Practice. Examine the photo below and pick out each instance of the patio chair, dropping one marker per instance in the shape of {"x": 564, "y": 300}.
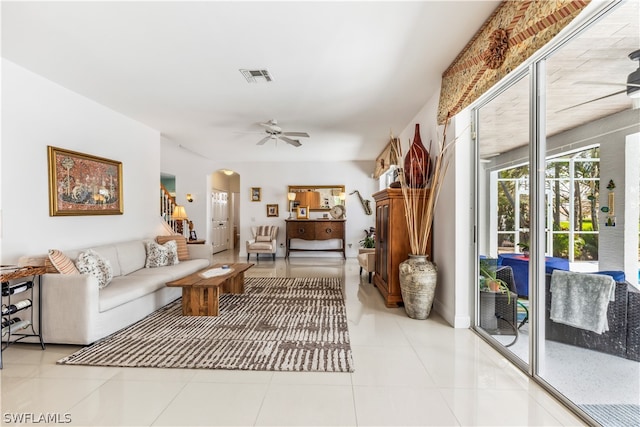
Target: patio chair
{"x": 506, "y": 275}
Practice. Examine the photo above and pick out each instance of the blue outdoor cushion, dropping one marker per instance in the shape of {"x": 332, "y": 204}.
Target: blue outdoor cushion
{"x": 618, "y": 276}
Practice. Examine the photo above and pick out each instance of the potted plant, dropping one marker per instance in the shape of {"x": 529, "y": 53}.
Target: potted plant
{"x": 524, "y": 247}
{"x": 369, "y": 240}
{"x": 489, "y": 282}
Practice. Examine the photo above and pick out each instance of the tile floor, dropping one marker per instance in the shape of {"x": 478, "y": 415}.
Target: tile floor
{"x": 407, "y": 372}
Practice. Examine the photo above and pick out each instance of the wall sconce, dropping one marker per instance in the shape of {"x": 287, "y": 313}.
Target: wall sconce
{"x": 189, "y": 198}
{"x": 291, "y": 197}
{"x": 611, "y": 216}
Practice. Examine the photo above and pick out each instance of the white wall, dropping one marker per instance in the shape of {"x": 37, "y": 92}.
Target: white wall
{"x": 193, "y": 176}
{"x": 37, "y": 113}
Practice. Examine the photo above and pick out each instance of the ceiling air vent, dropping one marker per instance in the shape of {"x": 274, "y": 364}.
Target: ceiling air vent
{"x": 255, "y": 76}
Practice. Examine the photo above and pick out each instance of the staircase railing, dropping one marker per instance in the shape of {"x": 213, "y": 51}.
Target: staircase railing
{"x": 167, "y": 204}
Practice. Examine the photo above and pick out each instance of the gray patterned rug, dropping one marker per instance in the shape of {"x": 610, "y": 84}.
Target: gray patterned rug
{"x": 278, "y": 324}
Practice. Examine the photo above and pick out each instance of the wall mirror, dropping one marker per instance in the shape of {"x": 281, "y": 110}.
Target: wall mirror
{"x": 317, "y": 197}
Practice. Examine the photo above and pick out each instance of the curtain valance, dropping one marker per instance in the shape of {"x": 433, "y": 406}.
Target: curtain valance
{"x": 514, "y": 31}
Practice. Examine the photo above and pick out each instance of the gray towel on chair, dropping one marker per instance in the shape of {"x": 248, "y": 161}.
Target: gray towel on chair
{"x": 581, "y": 300}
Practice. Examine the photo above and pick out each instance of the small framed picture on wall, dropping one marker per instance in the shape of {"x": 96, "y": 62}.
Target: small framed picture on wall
{"x": 272, "y": 210}
{"x": 256, "y": 194}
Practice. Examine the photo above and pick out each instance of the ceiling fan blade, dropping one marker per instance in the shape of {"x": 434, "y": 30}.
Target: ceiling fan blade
{"x": 607, "y": 84}
{"x": 293, "y": 142}
{"x": 302, "y": 134}
{"x": 596, "y": 99}
{"x": 263, "y": 140}
{"x": 272, "y": 125}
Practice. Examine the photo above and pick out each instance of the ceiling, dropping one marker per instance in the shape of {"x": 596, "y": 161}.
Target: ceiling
{"x": 598, "y": 55}
{"x": 348, "y": 73}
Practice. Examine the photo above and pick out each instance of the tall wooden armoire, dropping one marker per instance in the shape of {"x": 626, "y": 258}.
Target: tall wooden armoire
{"x": 392, "y": 243}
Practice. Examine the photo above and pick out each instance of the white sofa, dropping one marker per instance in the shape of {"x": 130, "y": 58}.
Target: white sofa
{"x": 76, "y": 311}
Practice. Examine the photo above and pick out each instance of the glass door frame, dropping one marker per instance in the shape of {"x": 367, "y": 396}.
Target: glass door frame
{"x": 535, "y": 67}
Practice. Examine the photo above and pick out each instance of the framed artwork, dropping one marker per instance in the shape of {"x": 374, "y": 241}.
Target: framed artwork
{"x": 256, "y": 194}
{"x": 193, "y": 235}
{"x": 272, "y": 210}
{"x": 81, "y": 184}
{"x": 302, "y": 212}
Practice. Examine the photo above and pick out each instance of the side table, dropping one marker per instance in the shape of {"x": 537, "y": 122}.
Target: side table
{"x": 12, "y": 304}
{"x": 196, "y": 242}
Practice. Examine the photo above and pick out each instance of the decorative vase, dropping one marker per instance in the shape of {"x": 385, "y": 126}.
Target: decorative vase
{"x": 417, "y": 163}
{"x": 418, "y": 278}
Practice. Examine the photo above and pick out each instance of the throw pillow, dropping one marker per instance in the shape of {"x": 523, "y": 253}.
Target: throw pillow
{"x": 263, "y": 238}
{"x": 162, "y": 255}
{"x": 183, "y": 250}
{"x": 61, "y": 262}
{"x": 92, "y": 263}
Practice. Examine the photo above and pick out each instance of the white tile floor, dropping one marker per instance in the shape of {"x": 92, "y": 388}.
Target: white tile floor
{"x": 407, "y": 372}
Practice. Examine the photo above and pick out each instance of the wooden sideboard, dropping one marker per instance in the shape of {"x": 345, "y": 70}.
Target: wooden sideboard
{"x": 315, "y": 229}
{"x": 392, "y": 243}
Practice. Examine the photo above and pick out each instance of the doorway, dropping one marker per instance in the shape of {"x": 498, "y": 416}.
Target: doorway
{"x": 224, "y": 210}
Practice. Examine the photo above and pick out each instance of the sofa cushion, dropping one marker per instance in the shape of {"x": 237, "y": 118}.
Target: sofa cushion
{"x": 62, "y": 263}
{"x": 109, "y": 253}
{"x": 173, "y": 272}
{"x": 141, "y": 282}
{"x": 131, "y": 255}
{"x": 183, "y": 251}
{"x": 92, "y": 263}
{"x": 266, "y": 246}
{"x": 124, "y": 289}
{"x": 161, "y": 255}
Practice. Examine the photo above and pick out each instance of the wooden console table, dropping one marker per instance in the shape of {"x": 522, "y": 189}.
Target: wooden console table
{"x": 316, "y": 229}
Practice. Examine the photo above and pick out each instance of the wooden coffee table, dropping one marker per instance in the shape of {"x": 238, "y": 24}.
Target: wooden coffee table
{"x": 201, "y": 294}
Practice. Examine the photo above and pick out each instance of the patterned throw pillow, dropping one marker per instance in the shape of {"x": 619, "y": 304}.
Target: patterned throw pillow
{"x": 181, "y": 241}
{"x": 91, "y": 262}
{"x": 62, "y": 263}
{"x": 162, "y": 255}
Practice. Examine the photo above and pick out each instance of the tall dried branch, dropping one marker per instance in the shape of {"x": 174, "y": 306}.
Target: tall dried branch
{"x": 420, "y": 203}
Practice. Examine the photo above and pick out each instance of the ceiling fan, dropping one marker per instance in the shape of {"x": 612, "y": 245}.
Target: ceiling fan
{"x": 632, "y": 87}
{"x": 275, "y": 132}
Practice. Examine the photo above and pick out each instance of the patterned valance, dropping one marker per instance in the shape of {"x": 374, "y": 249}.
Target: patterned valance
{"x": 512, "y": 34}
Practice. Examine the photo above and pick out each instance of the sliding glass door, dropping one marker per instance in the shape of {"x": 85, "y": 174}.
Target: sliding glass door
{"x": 558, "y": 183}
{"x": 503, "y": 215}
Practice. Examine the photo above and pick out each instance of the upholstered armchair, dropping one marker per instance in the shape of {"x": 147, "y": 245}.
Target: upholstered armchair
{"x": 367, "y": 260}
{"x": 264, "y": 241}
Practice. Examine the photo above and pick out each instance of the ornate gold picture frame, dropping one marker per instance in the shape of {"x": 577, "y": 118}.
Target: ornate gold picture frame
{"x": 302, "y": 212}
{"x": 272, "y": 210}
{"x": 256, "y": 194}
{"x": 81, "y": 184}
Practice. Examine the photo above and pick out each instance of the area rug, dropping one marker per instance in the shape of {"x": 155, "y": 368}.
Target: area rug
{"x": 612, "y": 415}
{"x": 278, "y": 324}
